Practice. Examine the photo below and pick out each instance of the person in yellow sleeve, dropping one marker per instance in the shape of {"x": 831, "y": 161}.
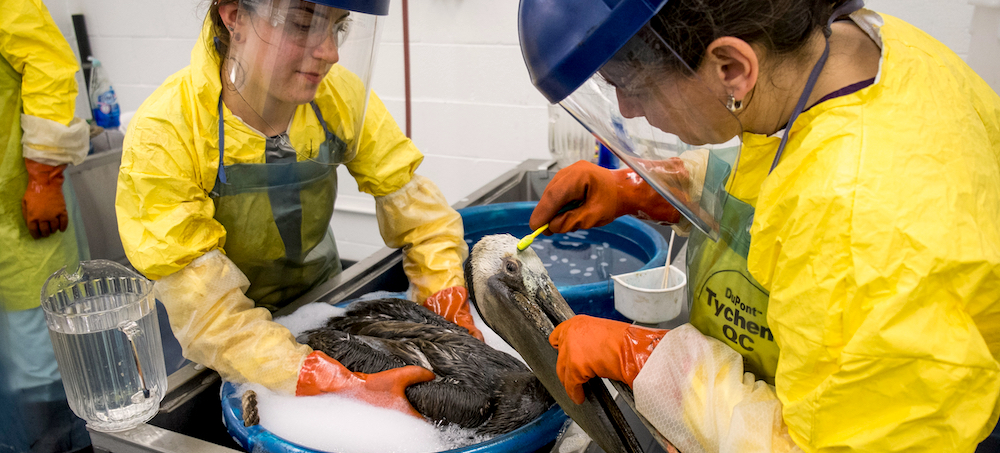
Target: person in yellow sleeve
{"x": 839, "y": 173}
{"x": 39, "y": 139}
{"x": 228, "y": 182}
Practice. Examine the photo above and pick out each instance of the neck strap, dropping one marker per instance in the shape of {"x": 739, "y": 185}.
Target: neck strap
{"x": 845, "y": 9}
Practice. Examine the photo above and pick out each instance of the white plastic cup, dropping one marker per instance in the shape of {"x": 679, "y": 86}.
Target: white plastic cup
{"x": 640, "y": 296}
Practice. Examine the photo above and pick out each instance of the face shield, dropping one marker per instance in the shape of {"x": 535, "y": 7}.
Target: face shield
{"x": 654, "y": 112}
{"x": 280, "y": 51}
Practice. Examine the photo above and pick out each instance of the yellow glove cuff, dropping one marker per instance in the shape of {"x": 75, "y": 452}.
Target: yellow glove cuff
{"x": 52, "y": 143}
{"x": 218, "y": 326}
{"x": 417, "y": 219}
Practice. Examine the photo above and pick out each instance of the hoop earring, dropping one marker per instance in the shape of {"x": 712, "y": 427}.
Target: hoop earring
{"x": 733, "y": 105}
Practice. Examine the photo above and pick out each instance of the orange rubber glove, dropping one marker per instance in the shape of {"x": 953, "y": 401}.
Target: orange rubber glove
{"x": 321, "y": 374}
{"x": 453, "y": 304}
{"x": 43, "y": 206}
{"x": 606, "y": 195}
{"x": 596, "y": 347}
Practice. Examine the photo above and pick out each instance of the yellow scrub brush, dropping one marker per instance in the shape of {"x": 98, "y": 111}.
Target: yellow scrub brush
{"x": 527, "y": 240}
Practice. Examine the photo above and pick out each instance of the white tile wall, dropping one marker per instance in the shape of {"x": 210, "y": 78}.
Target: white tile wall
{"x": 984, "y": 50}
{"x": 475, "y": 113}
{"x": 946, "y": 20}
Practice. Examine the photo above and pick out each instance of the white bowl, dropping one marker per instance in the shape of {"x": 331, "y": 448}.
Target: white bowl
{"x": 640, "y": 295}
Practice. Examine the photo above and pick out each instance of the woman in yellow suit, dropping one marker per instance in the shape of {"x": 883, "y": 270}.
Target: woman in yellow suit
{"x": 228, "y": 181}
{"x": 848, "y": 253}
{"x": 39, "y": 137}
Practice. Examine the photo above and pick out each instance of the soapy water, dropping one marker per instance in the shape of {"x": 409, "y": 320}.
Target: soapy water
{"x": 338, "y": 424}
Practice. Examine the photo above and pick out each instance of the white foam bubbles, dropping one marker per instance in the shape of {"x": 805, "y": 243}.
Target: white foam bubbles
{"x": 338, "y": 424}
{"x": 309, "y": 316}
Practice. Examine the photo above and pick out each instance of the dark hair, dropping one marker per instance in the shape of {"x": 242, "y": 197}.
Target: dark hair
{"x": 782, "y": 27}
{"x": 219, "y": 30}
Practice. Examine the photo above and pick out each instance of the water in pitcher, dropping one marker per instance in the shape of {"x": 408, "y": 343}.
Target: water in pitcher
{"x": 99, "y": 366}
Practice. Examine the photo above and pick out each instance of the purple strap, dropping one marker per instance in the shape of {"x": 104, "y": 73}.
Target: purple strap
{"x": 845, "y": 9}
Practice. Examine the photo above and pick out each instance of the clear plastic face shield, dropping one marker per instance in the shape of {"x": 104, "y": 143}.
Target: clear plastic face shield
{"x": 281, "y": 50}
{"x": 666, "y": 123}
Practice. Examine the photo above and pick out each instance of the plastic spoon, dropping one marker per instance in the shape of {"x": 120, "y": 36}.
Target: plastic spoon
{"x": 666, "y": 268}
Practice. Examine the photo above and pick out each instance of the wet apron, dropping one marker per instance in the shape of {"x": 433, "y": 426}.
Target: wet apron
{"x": 277, "y": 217}
{"x": 727, "y": 303}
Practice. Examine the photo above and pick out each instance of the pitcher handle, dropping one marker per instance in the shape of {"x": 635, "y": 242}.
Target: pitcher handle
{"x": 131, "y": 329}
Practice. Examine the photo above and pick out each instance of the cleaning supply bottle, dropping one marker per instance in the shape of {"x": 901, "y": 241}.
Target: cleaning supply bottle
{"x": 103, "y": 101}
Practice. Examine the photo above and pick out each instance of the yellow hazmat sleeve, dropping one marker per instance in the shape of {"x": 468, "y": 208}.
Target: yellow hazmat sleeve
{"x": 218, "y": 326}
{"x": 165, "y": 217}
{"x": 32, "y": 43}
{"x": 417, "y": 218}
{"x": 386, "y": 158}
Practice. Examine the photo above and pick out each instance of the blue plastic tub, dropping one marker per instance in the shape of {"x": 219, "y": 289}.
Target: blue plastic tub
{"x": 641, "y": 246}
{"x": 526, "y": 439}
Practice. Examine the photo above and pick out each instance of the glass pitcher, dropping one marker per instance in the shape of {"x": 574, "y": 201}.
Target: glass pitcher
{"x": 102, "y": 320}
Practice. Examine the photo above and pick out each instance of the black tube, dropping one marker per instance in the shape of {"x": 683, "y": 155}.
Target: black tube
{"x": 83, "y": 43}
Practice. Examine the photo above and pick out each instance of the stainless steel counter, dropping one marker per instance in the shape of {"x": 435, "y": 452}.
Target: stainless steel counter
{"x": 189, "y": 419}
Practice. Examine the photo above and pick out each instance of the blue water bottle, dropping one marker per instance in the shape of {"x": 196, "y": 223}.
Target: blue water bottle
{"x": 103, "y": 102}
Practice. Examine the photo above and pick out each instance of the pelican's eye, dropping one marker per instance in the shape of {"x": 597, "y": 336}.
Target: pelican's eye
{"x": 511, "y": 266}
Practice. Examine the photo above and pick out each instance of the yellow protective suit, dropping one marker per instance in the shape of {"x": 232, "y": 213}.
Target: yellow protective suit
{"x": 37, "y": 99}
{"x": 878, "y": 238}
{"x": 167, "y": 225}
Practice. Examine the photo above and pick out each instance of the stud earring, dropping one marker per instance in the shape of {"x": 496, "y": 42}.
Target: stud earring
{"x": 237, "y": 37}
{"x": 733, "y": 105}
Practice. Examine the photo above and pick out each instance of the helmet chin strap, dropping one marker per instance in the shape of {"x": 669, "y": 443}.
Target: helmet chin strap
{"x": 845, "y": 9}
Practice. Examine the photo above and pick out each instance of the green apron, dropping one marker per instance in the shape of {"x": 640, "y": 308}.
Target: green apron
{"x": 727, "y": 303}
{"x": 277, "y": 219}
{"x": 26, "y": 262}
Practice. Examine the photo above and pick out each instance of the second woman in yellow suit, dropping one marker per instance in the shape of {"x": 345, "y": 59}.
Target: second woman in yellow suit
{"x": 848, "y": 253}
{"x": 228, "y": 181}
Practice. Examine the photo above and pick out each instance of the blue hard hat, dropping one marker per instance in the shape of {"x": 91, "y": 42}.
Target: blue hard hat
{"x": 374, "y": 7}
{"x": 564, "y": 42}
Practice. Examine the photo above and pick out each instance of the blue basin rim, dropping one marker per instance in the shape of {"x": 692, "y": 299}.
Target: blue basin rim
{"x": 503, "y": 217}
